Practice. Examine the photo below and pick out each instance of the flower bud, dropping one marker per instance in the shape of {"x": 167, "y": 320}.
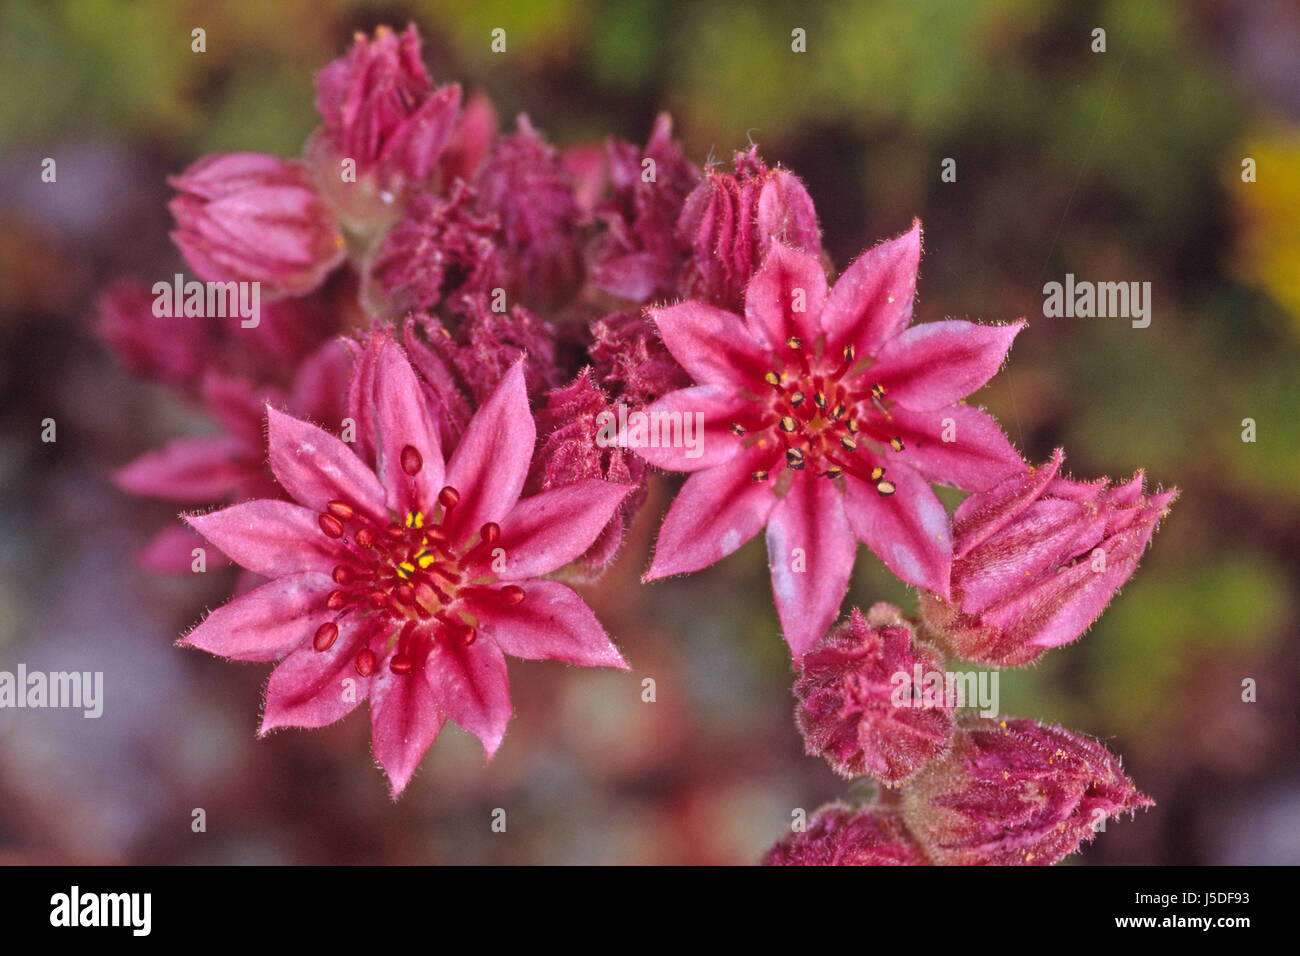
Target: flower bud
{"x": 438, "y": 250}
{"x": 569, "y": 451}
{"x": 640, "y": 256}
{"x": 525, "y": 185}
{"x": 249, "y": 217}
{"x": 839, "y": 835}
{"x": 860, "y": 708}
{"x": 1036, "y": 560}
{"x": 1015, "y": 792}
{"x": 730, "y": 220}
{"x": 631, "y": 361}
{"x": 380, "y": 108}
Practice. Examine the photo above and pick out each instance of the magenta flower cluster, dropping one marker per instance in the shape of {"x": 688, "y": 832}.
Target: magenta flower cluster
{"x": 425, "y": 439}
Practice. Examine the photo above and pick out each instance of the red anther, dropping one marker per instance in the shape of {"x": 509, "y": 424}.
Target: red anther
{"x": 411, "y": 460}
{"x": 400, "y": 663}
{"x": 512, "y": 594}
{"x": 448, "y": 497}
{"x": 366, "y": 538}
{"x": 325, "y": 637}
{"x": 365, "y": 662}
{"x": 342, "y": 574}
{"x": 341, "y": 510}
{"x": 336, "y": 600}
{"x": 490, "y": 532}
{"x": 395, "y": 531}
{"x": 378, "y": 599}
{"x": 406, "y": 594}
{"x": 468, "y": 635}
{"x": 331, "y": 525}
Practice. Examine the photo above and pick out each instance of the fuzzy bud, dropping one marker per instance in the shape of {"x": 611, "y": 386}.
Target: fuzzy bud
{"x": 859, "y": 708}
{"x": 839, "y": 835}
{"x": 1037, "y": 559}
{"x": 1015, "y": 792}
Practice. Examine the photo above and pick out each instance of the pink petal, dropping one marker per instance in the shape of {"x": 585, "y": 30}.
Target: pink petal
{"x": 713, "y": 346}
{"x": 978, "y": 458}
{"x": 402, "y": 418}
{"x": 811, "y": 518}
{"x": 786, "y": 212}
{"x": 550, "y": 529}
{"x": 1061, "y": 607}
{"x": 417, "y": 145}
{"x": 239, "y": 406}
{"x": 470, "y": 686}
{"x": 309, "y": 687}
{"x": 268, "y": 622}
{"x": 551, "y": 623}
{"x": 1043, "y": 538}
{"x": 981, "y": 516}
{"x": 872, "y": 301}
{"x": 199, "y": 468}
{"x": 404, "y": 721}
{"x": 720, "y": 407}
{"x": 909, "y": 530}
{"x": 932, "y": 365}
{"x": 491, "y": 461}
{"x": 271, "y": 538}
{"x": 171, "y": 551}
{"x": 316, "y": 468}
{"x": 360, "y": 396}
{"x": 322, "y": 381}
{"x": 717, "y": 511}
{"x": 786, "y": 279}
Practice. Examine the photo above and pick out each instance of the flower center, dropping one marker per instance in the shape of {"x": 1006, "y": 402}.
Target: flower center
{"x": 818, "y": 417}
{"x": 405, "y": 579}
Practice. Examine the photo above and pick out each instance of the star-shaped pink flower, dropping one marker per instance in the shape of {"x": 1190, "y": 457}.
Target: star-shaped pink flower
{"x": 407, "y": 579}
{"x": 825, "y": 418}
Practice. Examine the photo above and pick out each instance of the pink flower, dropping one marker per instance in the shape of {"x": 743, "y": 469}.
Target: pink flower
{"x": 731, "y": 220}
{"x": 1036, "y": 561}
{"x": 825, "y": 418}
{"x": 1016, "y": 792}
{"x": 231, "y": 464}
{"x": 525, "y": 185}
{"x": 204, "y": 468}
{"x": 839, "y": 835}
{"x": 255, "y": 218}
{"x": 407, "y": 580}
{"x": 851, "y": 710}
{"x": 381, "y": 110}
{"x": 640, "y": 257}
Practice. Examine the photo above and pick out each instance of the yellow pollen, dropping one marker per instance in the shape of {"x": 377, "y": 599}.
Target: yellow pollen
{"x": 424, "y": 559}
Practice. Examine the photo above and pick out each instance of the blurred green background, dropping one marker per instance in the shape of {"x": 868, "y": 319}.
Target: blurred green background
{"x": 1122, "y": 165}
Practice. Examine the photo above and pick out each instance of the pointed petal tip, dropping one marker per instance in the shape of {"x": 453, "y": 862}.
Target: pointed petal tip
{"x": 490, "y": 747}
